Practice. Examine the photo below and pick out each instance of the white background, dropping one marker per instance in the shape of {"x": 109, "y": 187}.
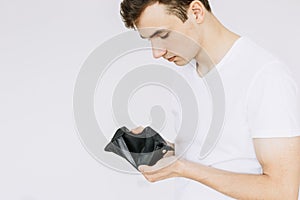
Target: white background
{"x": 42, "y": 47}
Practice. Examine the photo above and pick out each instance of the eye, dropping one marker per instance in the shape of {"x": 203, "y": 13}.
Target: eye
{"x": 164, "y": 36}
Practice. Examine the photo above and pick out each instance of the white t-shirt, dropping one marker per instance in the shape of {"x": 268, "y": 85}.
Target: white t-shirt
{"x": 261, "y": 101}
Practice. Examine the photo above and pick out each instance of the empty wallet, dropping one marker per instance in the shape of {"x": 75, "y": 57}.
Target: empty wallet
{"x": 145, "y": 148}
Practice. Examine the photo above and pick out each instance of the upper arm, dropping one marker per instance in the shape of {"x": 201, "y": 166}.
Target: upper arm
{"x": 280, "y": 161}
{"x": 273, "y": 103}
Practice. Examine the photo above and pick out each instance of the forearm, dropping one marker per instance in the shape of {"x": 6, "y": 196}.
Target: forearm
{"x": 238, "y": 186}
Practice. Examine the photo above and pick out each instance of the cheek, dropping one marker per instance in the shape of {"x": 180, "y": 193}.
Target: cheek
{"x": 181, "y": 44}
{"x": 190, "y": 41}
{"x": 186, "y": 49}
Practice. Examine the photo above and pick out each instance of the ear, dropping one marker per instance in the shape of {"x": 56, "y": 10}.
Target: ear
{"x": 197, "y": 11}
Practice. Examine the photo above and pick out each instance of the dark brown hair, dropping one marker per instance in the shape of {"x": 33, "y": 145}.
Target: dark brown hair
{"x": 132, "y": 9}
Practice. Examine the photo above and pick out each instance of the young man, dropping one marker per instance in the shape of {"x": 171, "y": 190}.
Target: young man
{"x": 258, "y": 154}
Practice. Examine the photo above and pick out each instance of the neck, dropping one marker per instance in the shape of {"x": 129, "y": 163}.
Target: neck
{"x": 215, "y": 43}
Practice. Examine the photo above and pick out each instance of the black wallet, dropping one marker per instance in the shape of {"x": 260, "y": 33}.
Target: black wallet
{"x": 145, "y": 148}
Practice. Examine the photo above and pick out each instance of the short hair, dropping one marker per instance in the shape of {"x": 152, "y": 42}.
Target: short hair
{"x": 132, "y": 9}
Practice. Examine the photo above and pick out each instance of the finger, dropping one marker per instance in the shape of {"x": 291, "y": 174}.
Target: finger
{"x": 163, "y": 164}
{"x": 169, "y": 153}
{"x": 137, "y": 130}
{"x": 160, "y": 166}
{"x": 171, "y": 144}
{"x": 157, "y": 177}
{"x": 146, "y": 168}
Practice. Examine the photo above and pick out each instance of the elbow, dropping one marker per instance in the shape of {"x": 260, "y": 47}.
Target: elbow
{"x": 285, "y": 193}
{"x": 282, "y": 188}
{"x": 285, "y": 196}
{"x": 290, "y": 195}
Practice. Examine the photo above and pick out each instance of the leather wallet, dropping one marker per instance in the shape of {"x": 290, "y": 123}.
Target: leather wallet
{"x": 145, "y": 148}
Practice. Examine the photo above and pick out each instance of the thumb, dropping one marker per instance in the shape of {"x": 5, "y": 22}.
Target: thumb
{"x": 137, "y": 130}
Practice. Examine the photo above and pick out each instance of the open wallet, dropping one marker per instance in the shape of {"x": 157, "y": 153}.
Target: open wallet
{"x": 145, "y": 148}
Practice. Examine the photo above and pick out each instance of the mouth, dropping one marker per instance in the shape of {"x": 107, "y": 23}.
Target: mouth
{"x": 171, "y": 59}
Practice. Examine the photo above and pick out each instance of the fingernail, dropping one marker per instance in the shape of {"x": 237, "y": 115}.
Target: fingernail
{"x": 140, "y": 169}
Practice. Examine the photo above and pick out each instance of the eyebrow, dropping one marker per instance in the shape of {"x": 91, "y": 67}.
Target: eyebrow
{"x": 155, "y": 33}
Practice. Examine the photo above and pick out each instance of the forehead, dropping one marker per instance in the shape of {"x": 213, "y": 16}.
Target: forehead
{"x": 155, "y": 17}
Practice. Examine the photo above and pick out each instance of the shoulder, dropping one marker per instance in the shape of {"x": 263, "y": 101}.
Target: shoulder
{"x": 274, "y": 73}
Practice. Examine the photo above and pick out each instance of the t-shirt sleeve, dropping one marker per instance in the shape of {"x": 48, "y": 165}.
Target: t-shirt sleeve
{"x": 272, "y": 106}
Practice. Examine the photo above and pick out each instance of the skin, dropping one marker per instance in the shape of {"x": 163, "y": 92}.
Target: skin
{"x": 202, "y": 33}
{"x": 279, "y": 157}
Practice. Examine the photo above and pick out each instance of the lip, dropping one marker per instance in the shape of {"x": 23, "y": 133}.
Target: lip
{"x": 171, "y": 59}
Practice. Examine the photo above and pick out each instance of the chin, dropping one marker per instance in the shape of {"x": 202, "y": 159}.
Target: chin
{"x": 181, "y": 62}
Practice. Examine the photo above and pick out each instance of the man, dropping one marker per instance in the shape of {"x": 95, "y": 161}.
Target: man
{"x": 258, "y": 154}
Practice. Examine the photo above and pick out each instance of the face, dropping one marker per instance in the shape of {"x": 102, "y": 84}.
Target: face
{"x": 170, "y": 38}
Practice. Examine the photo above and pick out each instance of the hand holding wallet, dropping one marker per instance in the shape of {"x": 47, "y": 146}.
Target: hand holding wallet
{"x": 145, "y": 148}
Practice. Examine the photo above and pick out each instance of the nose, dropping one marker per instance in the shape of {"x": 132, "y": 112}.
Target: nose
{"x": 157, "y": 50}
